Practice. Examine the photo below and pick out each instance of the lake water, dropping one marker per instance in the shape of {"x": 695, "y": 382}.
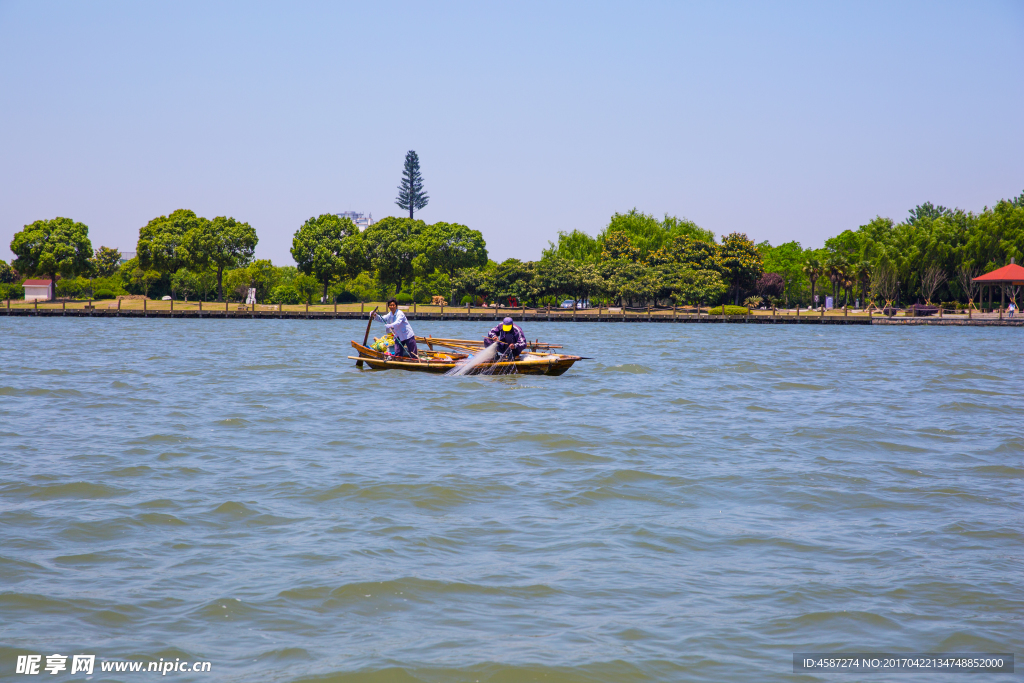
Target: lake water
{"x": 695, "y": 504}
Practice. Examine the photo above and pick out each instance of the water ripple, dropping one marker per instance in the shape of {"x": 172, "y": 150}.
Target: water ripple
{"x": 239, "y": 492}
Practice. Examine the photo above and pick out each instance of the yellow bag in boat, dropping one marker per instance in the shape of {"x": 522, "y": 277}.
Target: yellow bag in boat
{"x": 381, "y": 344}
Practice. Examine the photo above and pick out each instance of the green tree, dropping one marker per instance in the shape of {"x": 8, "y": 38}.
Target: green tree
{"x": 207, "y": 283}
{"x": 648, "y": 234}
{"x": 219, "y": 244}
{"x": 411, "y": 196}
{"x": 137, "y": 279}
{"x": 59, "y": 246}
{"x": 263, "y": 276}
{"x": 682, "y": 227}
{"x": 786, "y": 260}
{"x": 554, "y": 276}
{"x": 741, "y": 263}
{"x": 516, "y": 279}
{"x": 7, "y": 274}
{"x": 644, "y": 231}
{"x": 328, "y": 247}
{"x": 107, "y": 261}
{"x": 306, "y": 286}
{"x": 694, "y": 253}
{"x": 618, "y": 246}
{"x": 862, "y": 275}
{"x": 161, "y": 244}
{"x": 284, "y": 294}
{"x": 691, "y": 286}
{"x": 391, "y": 245}
{"x": 184, "y": 283}
{"x": 837, "y": 268}
{"x": 813, "y": 269}
{"x": 629, "y": 281}
{"x": 450, "y": 247}
{"x": 69, "y": 288}
{"x": 574, "y": 246}
{"x": 927, "y": 211}
{"x": 559, "y": 277}
{"x": 472, "y": 281}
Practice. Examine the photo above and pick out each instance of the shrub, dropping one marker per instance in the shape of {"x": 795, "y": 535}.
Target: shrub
{"x": 284, "y": 294}
{"x": 468, "y": 300}
{"x": 12, "y": 291}
{"x": 729, "y": 310}
{"x": 404, "y": 298}
{"x": 104, "y": 294}
{"x": 111, "y": 283}
{"x": 753, "y": 301}
{"x": 345, "y": 297}
{"x": 69, "y": 288}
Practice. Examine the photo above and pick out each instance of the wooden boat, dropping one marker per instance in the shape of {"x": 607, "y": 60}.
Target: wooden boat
{"x": 438, "y": 361}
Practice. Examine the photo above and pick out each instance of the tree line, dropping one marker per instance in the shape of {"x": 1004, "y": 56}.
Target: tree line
{"x": 635, "y": 260}
{"x": 185, "y": 255}
{"x": 931, "y": 257}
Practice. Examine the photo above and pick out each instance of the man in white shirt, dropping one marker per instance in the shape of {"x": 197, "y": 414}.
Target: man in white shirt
{"x": 396, "y": 323}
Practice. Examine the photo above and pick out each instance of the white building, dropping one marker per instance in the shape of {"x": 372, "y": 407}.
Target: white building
{"x": 39, "y": 290}
{"x": 362, "y": 221}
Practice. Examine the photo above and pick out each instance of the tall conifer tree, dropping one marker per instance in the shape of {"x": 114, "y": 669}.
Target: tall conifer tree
{"x": 411, "y": 195}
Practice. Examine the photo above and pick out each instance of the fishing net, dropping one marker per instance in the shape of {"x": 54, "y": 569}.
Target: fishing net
{"x": 477, "y": 364}
{"x": 486, "y": 362}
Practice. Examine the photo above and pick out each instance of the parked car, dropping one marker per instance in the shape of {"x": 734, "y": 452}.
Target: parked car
{"x": 569, "y": 302}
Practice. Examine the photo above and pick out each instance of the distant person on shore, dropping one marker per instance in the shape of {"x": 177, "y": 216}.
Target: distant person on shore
{"x": 396, "y": 323}
{"x": 1010, "y": 309}
{"x": 508, "y": 336}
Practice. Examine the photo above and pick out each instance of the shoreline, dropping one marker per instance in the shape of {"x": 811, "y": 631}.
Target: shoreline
{"x": 327, "y": 312}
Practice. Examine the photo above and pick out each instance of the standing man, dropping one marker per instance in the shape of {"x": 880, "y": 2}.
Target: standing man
{"x": 396, "y": 323}
{"x": 508, "y": 336}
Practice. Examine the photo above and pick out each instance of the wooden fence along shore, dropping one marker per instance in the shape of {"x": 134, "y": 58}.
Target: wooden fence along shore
{"x": 193, "y": 310}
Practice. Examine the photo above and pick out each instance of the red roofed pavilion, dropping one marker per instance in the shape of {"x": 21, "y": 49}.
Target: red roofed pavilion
{"x": 1012, "y": 275}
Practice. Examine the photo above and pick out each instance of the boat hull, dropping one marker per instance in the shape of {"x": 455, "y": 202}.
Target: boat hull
{"x": 554, "y": 364}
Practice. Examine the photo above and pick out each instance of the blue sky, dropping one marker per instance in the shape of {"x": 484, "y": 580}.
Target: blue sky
{"x": 787, "y": 121}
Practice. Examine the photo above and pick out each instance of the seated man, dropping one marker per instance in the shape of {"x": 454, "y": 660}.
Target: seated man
{"x": 508, "y": 336}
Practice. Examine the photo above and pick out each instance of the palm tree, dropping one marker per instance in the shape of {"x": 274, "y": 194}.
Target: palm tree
{"x": 848, "y": 283}
{"x": 862, "y": 271}
{"x": 813, "y": 269}
{"x": 836, "y": 266}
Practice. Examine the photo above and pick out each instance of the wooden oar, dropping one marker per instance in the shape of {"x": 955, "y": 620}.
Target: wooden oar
{"x": 475, "y": 342}
{"x": 366, "y": 336}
